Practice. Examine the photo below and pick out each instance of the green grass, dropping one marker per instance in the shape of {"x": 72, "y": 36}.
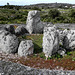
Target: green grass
{"x": 11, "y": 16}
{"x": 37, "y": 40}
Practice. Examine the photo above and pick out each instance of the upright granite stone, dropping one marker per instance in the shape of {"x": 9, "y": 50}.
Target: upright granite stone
{"x": 34, "y": 24}
{"x": 50, "y": 41}
{"x": 25, "y": 48}
{"x": 8, "y": 42}
{"x": 69, "y": 40}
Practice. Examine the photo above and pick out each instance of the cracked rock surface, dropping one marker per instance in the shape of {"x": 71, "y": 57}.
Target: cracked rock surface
{"x": 9, "y": 68}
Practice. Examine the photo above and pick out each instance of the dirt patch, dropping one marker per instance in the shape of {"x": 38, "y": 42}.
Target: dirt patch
{"x": 39, "y": 62}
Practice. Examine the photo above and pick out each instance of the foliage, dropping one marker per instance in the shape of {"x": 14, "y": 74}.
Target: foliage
{"x": 72, "y": 13}
{"x": 36, "y": 8}
{"x": 54, "y": 13}
{"x": 9, "y": 16}
{"x": 37, "y": 40}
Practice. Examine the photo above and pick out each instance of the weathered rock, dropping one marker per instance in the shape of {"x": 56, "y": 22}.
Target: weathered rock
{"x": 34, "y": 24}
{"x": 8, "y": 42}
{"x": 9, "y": 68}
{"x": 69, "y": 40}
{"x": 11, "y": 29}
{"x": 25, "y": 48}
{"x": 61, "y": 51}
{"x": 50, "y": 41}
{"x": 20, "y": 30}
{"x": 62, "y": 34}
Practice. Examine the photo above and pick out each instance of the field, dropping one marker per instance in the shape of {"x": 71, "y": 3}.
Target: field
{"x": 38, "y": 60}
{"x": 12, "y": 16}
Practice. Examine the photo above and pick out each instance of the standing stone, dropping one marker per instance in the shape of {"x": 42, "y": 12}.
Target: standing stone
{"x": 25, "y": 48}
{"x": 8, "y": 42}
{"x": 50, "y": 41}
{"x": 34, "y": 24}
{"x": 69, "y": 40}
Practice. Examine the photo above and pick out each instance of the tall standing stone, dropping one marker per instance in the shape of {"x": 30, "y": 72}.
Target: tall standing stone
{"x": 34, "y": 24}
{"x": 50, "y": 41}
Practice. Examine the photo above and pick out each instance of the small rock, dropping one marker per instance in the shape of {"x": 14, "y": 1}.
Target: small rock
{"x": 25, "y": 48}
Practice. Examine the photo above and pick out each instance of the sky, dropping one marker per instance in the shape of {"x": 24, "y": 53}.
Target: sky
{"x": 28, "y": 2}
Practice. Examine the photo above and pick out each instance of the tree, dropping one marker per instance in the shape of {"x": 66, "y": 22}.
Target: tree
{"x": 54, "y": 13}
{"x": 72, "y": 13}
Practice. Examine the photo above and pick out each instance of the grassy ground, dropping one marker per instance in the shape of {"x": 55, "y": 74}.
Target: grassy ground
{"x": 37, "y": 40}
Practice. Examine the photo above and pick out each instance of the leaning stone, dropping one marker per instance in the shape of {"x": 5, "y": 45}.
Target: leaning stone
{"x": 50, "y": 41}
{"x": 25, "y": 48}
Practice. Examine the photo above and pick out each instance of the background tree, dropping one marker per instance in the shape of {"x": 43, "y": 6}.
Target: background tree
{"x": 72, "y": 13}
{"x": 54, "y": 13}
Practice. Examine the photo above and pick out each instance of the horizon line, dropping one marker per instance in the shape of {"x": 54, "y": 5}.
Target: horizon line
{"x": 34, "y": 3}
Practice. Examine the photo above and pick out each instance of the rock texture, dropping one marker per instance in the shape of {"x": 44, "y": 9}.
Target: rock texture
{"x": 9, "y": 68}
{"x": 69, "y": 40}
{"x": 50, "y": 41}
{"x": 61, "y": 51}
{"x": 8, "y": 42}
{"x": 20, "y": 30}
{"x": 25, "y": 48}
{"x": 11, "y": 29}
{"x": 62, "y": 34}
{"x": 34, "y": 23}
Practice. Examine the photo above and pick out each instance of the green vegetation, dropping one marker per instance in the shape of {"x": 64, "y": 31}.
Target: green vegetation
{"x": 53, "y": 13}
{"x": 59, "y": 16}
{"x": 37, "y": 40}
{"x": 14, "y": 14}
{"x": 8, "y": 16}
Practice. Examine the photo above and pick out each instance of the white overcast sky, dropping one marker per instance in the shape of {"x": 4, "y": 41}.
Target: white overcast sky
{"x": 28, "y": 2}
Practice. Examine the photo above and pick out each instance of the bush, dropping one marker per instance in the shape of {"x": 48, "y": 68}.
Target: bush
{"x": 54, "y": 13}
{"x": 72, "y": 13}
